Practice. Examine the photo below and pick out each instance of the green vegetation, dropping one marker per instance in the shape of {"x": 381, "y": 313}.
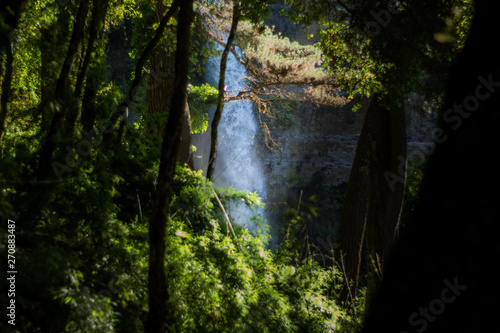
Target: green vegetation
{"x": 200, "y": 99}
{"x": 82, "y": 243}
{"x": 99, "y": 204}
{"x": 97, "y": 266}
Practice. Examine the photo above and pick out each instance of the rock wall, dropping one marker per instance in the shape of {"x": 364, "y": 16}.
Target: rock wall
{"x": 316, "y": 154}
{"x": 324, "y": 139}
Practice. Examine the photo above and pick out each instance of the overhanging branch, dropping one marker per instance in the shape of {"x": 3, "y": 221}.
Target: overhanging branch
{"x": 245, "y": 94}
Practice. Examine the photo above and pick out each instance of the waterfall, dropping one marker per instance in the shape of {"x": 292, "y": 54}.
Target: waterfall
{"x": 237, "y": 163}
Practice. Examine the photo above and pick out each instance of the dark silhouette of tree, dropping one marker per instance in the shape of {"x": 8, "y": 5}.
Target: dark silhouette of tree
{"x": 158, "y": 316}
{"x": 371, "y": 204}
{"x": 61, "y": 94}
{"x": 161, "y": 87}
{"x": 441, "y": 274}
{"x": 364, "y": 42}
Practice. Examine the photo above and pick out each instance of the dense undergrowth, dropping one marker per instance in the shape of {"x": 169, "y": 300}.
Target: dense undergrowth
{"x": 81, "y": 236}
{"x": 82, "y": 253}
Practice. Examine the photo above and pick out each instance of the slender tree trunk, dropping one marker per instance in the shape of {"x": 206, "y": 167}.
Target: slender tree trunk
{"x": 158, "y": 317}
{"x": 185, "y": 152}
{"x": 220, "y": 98}
{"x": 99, "y": 10}
{"x": 48, "y": 75}
{"x": 10, "y": 13}
{"x": 60, "y": 94}
{"x": 89, "y": 107}
{"x": 51, "y": 39}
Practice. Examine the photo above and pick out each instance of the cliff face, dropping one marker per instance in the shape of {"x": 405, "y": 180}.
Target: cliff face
{"x": 316, "y": 154}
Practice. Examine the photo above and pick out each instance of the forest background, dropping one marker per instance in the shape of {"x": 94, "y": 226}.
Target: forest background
{"x": 99, "y": 102}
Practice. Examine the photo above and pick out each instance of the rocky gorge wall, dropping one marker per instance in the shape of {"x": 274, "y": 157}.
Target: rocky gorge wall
{"x": 308, "y": 174}
{"x": 315, "y": 156}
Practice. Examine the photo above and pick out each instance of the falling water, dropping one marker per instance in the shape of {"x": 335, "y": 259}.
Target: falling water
{"x": 237, "y": 163}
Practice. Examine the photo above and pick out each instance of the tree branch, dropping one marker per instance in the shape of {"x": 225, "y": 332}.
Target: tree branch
{"x": 221, "y": 95}
{"x": 232, "y": 49}
{"x": 244, "y": 93}
{"x": 228, "y": 221}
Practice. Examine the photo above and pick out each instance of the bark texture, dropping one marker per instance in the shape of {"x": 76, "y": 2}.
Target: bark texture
{"x": 372, "y": 204}
{"x": 158, "y": 316}
{"x": 122, "y": 109}
{"x": 350, "y": 237}
{"x": 385, "y": 197}
{"x": 160, "y": 95}
{"x": 60, "y": 94}
{"x": 220, "y": 97}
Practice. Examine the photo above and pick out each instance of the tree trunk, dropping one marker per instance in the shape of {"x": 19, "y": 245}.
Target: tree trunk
{"x": 99, "y": 10}
{"x": 48, "y": 71}
{"x": 385, "y": 197}
{"x": 441, "y": 276}
{"x": 60, "y": 94}
{"x": 160, "y": 95}
{"x": 122, "y": 109}
{"x": 184, "y": 155}
{"x": 220, "y": 98}
{"x": 89, "y": 107}
{"x": 349, "y": 244}
{"x": 10, "y": 13}
{"x": 372, "y": 203}
{"x": 161, "y": 85}
{"x": 158, "y": 316}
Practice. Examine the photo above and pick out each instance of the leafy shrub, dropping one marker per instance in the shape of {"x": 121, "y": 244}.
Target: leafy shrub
{"x": 95, "y": 266}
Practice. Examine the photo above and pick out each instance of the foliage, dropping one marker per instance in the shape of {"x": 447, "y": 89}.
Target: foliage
{"x": 280, "y": 59}
{"x": 200, "y": 99}
{"x": 333, "y": 196}
{"x": 363, "y": 42}
{"x": 86, "y": 234}
{"x": 218, "y": 286}
{"x": 92, "y": 313}
{"x": 98, "y": 264}
{"x": 415, "y": 174}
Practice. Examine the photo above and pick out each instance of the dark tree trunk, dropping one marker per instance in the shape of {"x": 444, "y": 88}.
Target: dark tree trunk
{"x": 385, "y": 197}
{"x": 122, "y": 109}
{"x": 161, "y": 85}
{"x": 99, "y": 10}
{"x": 220, "y": 98}
{"x": 184, "y": 155}
{"x": 441, "y": 275}
{"x": 48, "y": 71}
{"x": 372, "y": 203}
{"x": 160, "y": 95}
{"x": 51, "y": 39}
{"x": 349, "y": 244}
{"x": 10, "y": 13}
{"x": 89, "y": 107}
{"x": 60, "y": 94}
{"x": 158, "y": 317}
